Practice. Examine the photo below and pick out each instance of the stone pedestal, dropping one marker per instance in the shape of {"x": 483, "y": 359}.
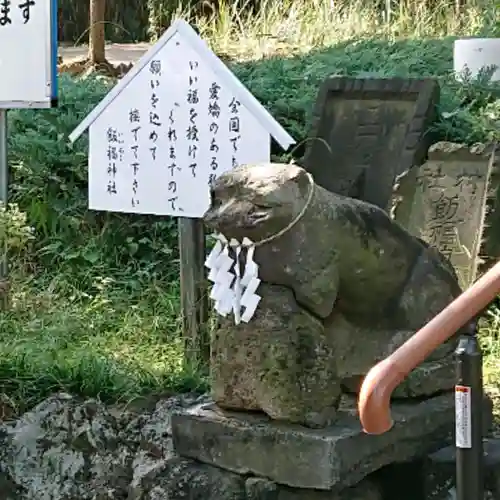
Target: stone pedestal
{"x": 330, "y": 459}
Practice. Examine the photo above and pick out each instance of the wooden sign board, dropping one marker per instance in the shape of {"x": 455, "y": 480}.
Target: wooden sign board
{"x": 367, "y": 131}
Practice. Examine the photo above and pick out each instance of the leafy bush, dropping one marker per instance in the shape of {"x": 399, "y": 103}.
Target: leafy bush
{"x": 15, "y": 234}
{"x": 288, "y": 86}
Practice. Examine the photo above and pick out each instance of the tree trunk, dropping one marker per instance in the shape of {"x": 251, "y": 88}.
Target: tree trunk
{"x": 97, "y": 41}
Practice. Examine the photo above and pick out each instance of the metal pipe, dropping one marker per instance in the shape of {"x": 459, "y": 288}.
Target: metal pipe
{"x": 383, "y": 378}
{"x": 469, "y": 416}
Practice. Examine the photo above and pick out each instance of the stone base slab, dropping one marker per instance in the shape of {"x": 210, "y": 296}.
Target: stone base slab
{"x": 263, "y": 489}
{"x": 324, "y": 459}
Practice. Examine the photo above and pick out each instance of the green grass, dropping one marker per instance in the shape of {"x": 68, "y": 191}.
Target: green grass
{"x": 95, "y": 296}
{"x": 100, "y": 344}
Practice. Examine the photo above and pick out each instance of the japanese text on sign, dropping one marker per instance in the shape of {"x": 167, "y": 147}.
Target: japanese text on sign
{"x": 114, "y": 158}
{"x": 134, "y": 118}
{"x": 22, "y": 12}
{"x": 214, "y": 114}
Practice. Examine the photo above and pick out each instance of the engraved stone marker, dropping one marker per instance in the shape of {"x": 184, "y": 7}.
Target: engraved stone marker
{"x": 367, "y": 131}
{"x": 448, "y": 203}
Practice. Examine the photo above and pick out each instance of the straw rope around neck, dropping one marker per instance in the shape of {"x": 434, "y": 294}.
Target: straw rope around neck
{"x": 281, "y": 232}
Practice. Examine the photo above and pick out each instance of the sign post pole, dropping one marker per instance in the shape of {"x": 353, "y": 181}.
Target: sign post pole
{"x": 4, "y": 193}
{"x": 194, "y": 300}
{"x": 469, "y": 421}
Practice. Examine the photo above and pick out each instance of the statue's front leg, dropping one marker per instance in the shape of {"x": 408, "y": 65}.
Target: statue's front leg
{"x": 281, "y": 362}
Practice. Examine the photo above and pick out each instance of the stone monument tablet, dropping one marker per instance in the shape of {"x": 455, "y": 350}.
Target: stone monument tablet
{"x": 367, "y": 131}
{"x": 444, "y": 203}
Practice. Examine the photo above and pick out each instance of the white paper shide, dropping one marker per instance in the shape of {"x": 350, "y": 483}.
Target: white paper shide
{"x": 232, "y": 290}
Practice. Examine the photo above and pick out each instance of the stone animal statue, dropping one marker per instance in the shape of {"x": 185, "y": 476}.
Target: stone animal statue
{"x": 342, "y": 288}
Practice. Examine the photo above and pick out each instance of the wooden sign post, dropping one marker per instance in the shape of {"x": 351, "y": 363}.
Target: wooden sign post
{"x": 162, "y": 135}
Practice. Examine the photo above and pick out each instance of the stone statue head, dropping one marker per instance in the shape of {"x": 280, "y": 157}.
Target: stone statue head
{"x": 257, "y": 201}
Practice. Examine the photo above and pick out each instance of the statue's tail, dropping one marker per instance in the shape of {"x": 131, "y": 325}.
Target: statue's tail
{"x": 383, "y": 378}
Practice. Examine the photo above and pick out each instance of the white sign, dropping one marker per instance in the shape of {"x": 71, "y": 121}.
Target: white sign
{"x": 156, "y": 149}
{"x": 176, "y": 121}
{"x": 473, "y": 55}
{"x": 28, "y": 53}
{"x": 463, "y": 429}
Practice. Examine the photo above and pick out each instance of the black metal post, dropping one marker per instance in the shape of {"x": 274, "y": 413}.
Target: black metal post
{"x": 469, "y": 416}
